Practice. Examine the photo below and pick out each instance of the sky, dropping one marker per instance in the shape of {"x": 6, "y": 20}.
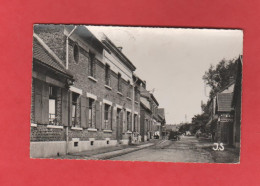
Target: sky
{"x": 172, "y": 61}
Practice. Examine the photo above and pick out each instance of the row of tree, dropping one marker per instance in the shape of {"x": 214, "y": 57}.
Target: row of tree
{"x": 216, "y": 77}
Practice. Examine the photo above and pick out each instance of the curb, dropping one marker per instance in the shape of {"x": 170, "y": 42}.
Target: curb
{"x": 113, "y": 154}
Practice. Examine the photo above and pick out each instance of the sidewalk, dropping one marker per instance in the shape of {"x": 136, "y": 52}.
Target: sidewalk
{"x": 108, "y": 152}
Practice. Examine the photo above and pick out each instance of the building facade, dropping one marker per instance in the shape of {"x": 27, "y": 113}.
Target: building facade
{"x": 151, "y": 120}
{"x": 96, "y": 101}
{"x": 225, "y": 111}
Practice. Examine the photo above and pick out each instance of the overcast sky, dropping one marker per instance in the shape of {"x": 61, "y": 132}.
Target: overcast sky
{"x": 173, "y": 61}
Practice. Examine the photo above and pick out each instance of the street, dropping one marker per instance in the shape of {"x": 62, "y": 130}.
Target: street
{"x": 188, "y": 149}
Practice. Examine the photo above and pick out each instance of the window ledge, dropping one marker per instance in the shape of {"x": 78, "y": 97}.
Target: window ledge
{"x": 119, "y": 93}
{"x": 136, "y": 102}
{"x": 109, "y": 131}
{"x": 128, "y": 132}
{"x": 33, "y": 125}
{"x": 92, "y": 129}
{"x": 54, "y": 126}
{"x": 108, "y": 87}
{"x": 92, "y": 78}
{"x": 129, "y": 98}
{"x": 76, "y": 128}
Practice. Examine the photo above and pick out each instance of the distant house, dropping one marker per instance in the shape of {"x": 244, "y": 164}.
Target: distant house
{"x": 151, "y": 119}
{"x": 162, "y": 121}
{"x": 225, "y": 117}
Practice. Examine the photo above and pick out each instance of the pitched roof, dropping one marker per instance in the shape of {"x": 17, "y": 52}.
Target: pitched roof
{"x": 161, "y": 112}
{"x": 224, "y": 101}
{"x": 46, "y": 56}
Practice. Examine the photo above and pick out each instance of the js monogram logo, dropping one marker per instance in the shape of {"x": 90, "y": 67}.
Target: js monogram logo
{"x": 218, "y": 146}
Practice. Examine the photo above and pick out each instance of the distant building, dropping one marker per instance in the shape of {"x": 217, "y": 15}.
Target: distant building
{"x": 162, "y": 121}
{"x": 151, "y": 119}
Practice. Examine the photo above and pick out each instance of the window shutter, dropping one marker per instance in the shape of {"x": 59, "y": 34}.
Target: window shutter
{"x": 102, "y": 115}
{"x": 88, "y": 70}
{"x": 87, "y": 112}
{"x": 130, "y": 122}
{"x": 65, "y": 107}
{"x": 114, "y": 118}
{"x": 70, "y": 108}
{"x": 94, "y": 67}
{"x": 83, "y": 112}
{"x": 45, "y": 103}
{"x": 109, "y": 77}
{"x": 124, "y": 121}
{"x": 121, "y": 123}
{"x": 110, "y": 117}
{"x": 38, "y": 101}
{"x": 98, "y": 115}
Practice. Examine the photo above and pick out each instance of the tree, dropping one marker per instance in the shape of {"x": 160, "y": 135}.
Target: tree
{"x": 220, "y": 76}
{"x": 200, "y": 121}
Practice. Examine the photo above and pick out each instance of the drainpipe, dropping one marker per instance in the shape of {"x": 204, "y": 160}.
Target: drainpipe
{"x": 67, "y": 47}
{"x": 67, "y": 67}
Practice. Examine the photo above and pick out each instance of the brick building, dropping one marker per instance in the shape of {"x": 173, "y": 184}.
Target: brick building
{"x": 150, "y": 121}
{"x": 93, "y": 98}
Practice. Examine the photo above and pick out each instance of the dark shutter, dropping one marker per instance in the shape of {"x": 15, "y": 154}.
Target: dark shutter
{"x": 65, "y": 107}
{"x": 124, "y": 121}
{"x": 110, "y": 117}
{"x": 130, "y": 120}
{"x": 102, "y": 115}
{"x": 87, "y": 112}
{"x": 98, "y": 115}
{"x": 38, "y": 101}
{"x": 45, "y": 103}
{"x": 89, "y": 61}
{"x": 121, "y": 122}
{"x": 70, "y": 108}
{"x": 83, "y": 111}
{"x": 94, "y": 67}
{"x": 114, "y": 110}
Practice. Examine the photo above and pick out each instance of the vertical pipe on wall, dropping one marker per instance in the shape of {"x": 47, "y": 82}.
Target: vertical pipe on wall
{"x": 67, "y": 47}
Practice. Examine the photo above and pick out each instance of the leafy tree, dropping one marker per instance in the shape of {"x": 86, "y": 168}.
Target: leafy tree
{"x": 220, "y": 76}
{"x": 184, "y": 127}
{"x": 199, "y": 121}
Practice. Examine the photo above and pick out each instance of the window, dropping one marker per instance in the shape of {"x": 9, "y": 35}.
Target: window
{"x": 119, "y": 83}
{"x": 75, "y": 108}
{"x": 107, "y": 75}
{"x": 108, "y": 118}
{"x": 91, "y": 113}
{"x": 91, "y": 64}
{"x": 53, "y": 105}
{"x": 76, "y": 52}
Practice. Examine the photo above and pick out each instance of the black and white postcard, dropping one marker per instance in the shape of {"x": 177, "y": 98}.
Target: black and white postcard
{"x": 136, "y": 93}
